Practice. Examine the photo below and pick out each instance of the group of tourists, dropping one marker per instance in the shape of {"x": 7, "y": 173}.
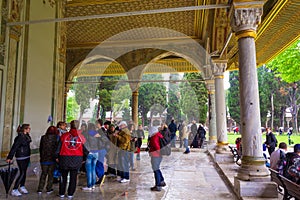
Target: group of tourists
{"x": 287, "y": 163}
{"x": 69, "y": 150}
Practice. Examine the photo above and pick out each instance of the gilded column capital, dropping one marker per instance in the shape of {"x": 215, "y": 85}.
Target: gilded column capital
{"x": 219, "y": 67}
{"x": 245, "y": 17}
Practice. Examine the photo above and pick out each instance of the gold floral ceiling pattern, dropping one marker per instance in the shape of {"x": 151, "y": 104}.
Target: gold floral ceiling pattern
{"x": 280, "y": 25}
{"x": 89, "y": 32}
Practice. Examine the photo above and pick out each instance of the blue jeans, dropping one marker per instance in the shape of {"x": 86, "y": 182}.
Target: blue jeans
{"x": 173, "y": 139}
{"x": 123, "y": 163}
{"x": 132, "y": 160}
{"x": 100, "y": 161}
{"x": 90, "y": 166}
{"x": 186, "y": 145}
{"x": 155, "y": 163}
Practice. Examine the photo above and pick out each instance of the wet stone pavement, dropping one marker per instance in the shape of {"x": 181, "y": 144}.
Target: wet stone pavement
{"x": 188, "y": 176}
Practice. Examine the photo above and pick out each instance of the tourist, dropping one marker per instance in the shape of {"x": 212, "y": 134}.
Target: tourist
{"x": 72, "y": 153}
{"x": 185, "y": 137}
{"x": 48, "y": 147}
{"x": 291, "y": 158}
{"x": 156, "y": 158}
{"x": 21, "y": 150}
{"x": 271, "y": 141}
{"x": 140, "y": 137}
{"x": 277, "y": 159}
{"x": 173, "y": 128}
{"x": 112, "y": 152}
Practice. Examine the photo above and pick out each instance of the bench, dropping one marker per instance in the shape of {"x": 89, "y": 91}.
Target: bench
{"x": 236, "y": 154}
{"x": 291, "y": 188}
{"x": 275, "y": 178}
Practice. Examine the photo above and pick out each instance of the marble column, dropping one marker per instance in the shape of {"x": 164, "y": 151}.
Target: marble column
{"x": 11, "y": 95}
{"x": 221, "y": 119}
{"x": 135, "y": 116}
{"x": 244, "y": 21}
{"x": 210, "y": 84}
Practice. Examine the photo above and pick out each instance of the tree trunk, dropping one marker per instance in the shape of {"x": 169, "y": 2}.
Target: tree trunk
{"x": 272, "y": 111}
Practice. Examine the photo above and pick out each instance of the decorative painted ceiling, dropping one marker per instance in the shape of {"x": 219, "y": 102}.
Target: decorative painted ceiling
{"x": 209, "y": 27}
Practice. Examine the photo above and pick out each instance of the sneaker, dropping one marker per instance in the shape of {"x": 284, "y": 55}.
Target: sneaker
{"x": 156, "y": 188}
{"x": 23, "y": 190}
{"x": 119, "y": 178}
{"x": 124, "y": 180}
{"x": 162, "y": 184}
{"x": 93, "y": 187}
{"x": 70, "y": 197}
{"x": 16, "y": 193}
{"x": 87, "y": 188}
{"x": 61, "y": 196}
{"x": 186, "y": 152}
{"x": 49, "y": 191}
{"x": 39, "y": 192}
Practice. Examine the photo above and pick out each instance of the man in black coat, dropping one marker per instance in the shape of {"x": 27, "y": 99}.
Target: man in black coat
{"x": 271, "y": 141}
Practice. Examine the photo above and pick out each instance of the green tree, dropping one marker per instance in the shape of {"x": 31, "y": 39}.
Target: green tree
{"x": 193, "y": 98}
{"x": 151, "y": 94}
{"x": 72, "y": 109}
{"x": 173, "y": 107}
{"x": 233, "y": 97}
{"x": 287, "y": 66}
{"x": 84, "y": 92}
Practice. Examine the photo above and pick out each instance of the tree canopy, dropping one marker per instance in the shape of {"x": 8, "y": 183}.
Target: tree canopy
{"x": 287, "y": 64}
{"x": 193, "y": 98}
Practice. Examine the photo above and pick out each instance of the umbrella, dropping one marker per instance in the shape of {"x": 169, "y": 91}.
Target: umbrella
{"x": 8, "y": 176}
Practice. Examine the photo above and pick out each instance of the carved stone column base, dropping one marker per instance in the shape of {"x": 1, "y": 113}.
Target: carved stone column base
{"x": 212, "y": 140}
{"x": 222, "y": 148}
{"x": 224, "y": 157}
{"x": 253, "y": 169}
{"x": 266, "y": 189}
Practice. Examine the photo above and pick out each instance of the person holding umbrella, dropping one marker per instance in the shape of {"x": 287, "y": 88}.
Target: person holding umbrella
{"x": 21, "y": 149}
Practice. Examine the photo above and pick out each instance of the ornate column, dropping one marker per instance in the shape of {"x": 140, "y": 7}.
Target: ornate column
{"x": 12, "y": 92}
{"x": 219, "y": 67}
{"x": 244, "y": 21}
{"x": 135, "y": 116}
{"x": 210, "y": 84}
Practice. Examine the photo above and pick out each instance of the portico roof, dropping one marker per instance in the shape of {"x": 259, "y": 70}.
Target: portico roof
{"x": 208, "y": 24}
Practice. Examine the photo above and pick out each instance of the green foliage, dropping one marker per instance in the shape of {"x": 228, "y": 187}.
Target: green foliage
{"x": 72, "y": 109}
{"x": 193, "y": 99}
{"x": 84, "y": 91}
{"x": 287, "y": 64}
{"x": 149, "y": 95}
{"x": 233, "y": 97}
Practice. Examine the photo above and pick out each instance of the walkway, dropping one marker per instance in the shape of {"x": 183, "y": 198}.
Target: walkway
{"x": 191, "y": 176}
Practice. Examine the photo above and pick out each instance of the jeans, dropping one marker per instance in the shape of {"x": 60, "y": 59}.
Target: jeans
{"x": 173, "y": 139}
{"x": 22, "y": 165}
{"x": 47, "y": 170}
{"x": 131, "y": 160}
{"x": 99, "y": 164}
{"x": 155, "y": 163}
{"x": 72, "y": 182}
{"x": 123, "y": 164}
{"x": 90, "y": 166}
{"x": 186, "y": 145}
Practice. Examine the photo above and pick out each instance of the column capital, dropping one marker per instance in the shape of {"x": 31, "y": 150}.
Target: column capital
{"x": 219, "y": 67}
{"x": 210, "y": 85}
{"x": 245, "y": 17}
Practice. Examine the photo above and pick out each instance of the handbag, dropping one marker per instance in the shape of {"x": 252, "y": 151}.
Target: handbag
{"x": 165, "y": 149}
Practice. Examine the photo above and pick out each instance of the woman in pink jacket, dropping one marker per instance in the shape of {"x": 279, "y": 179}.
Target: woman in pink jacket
{"x": 156, "y": 158}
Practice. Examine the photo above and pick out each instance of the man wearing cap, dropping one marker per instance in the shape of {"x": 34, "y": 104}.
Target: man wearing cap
{"x": 123, "y": 141}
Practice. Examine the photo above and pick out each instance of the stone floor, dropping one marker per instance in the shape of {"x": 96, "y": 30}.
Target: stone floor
{"x": 188, "y": 176}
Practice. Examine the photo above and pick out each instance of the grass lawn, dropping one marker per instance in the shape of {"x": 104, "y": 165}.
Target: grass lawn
{"x": 280, "y": 138}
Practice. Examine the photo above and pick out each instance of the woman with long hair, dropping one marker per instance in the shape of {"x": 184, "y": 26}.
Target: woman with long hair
{"x": 21, "y": 150}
